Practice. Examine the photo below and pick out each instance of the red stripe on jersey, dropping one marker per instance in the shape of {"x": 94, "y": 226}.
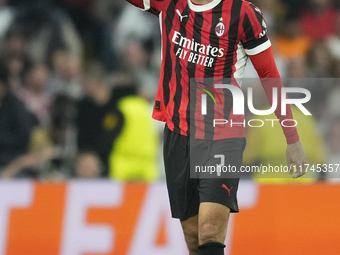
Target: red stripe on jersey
{"x": 200, "y": 73}
{"x": 205, "y": 39}
{"x": 220, "y": 62}
{"x": 223, "y": 43}
{"x": 173, "y": 81}
{"x": 159, "y": 112}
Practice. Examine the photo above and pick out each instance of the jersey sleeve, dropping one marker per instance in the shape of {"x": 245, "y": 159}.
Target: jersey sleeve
{"x": 254, "y": 37}
{"x": 153, "y": 6}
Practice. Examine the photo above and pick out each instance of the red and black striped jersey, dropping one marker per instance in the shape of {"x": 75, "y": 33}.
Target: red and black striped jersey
{"x": 203, "y": 41}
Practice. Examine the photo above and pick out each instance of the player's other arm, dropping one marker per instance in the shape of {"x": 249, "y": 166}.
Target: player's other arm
{"x": 265, "y": 66}
{"x": 258, "y": 47}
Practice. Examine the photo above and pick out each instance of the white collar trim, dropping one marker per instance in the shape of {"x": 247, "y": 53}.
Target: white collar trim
{"x": 205, "y": 7}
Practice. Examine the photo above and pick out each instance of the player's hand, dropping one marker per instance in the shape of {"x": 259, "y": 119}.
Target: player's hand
{"x": 296, "y": 155}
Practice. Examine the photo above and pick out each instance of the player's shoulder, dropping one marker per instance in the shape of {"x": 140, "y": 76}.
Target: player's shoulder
{"x": 249, "y": 6}
{"x": 246, "y": 7}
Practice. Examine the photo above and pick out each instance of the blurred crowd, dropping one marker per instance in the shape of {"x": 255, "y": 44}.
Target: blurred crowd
{"x": 78, "y": 79}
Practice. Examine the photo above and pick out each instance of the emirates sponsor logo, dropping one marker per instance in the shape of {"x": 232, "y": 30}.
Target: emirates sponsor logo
{"x": 195, "y": 52}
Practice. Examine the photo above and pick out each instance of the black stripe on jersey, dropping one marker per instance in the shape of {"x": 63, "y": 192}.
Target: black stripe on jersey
{"x": 248, "y": 30}
{"x": 251, "y": 41}
{"x": 170, "y": 15}
{"x": 257, "y": 13}
{"x": 178, "y": 70}
{"x": 232, "y": 37}
{"x": 228, "y": 69}
{"x": 198, "y": 24}
{"x": 154, "y": 11}
{"x": 214, "y": 39}
{"x": 209, "y": 72}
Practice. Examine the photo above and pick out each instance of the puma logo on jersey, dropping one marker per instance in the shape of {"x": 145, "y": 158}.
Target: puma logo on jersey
{"x": 180, "y": 15}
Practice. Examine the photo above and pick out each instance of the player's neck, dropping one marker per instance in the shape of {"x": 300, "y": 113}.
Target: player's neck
{"x": 201, "y": 1}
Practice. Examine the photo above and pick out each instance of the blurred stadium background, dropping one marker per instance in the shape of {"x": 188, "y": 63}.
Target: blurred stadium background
{"x": 80, "y": 157}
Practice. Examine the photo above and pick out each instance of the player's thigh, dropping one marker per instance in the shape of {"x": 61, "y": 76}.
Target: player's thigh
{"x": 183, "y": 190}
{"x": 218, "y": 195}
{"x": 222, "y": 189}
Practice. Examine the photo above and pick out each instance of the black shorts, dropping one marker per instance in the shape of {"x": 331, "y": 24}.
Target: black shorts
{"x": 185, "y": 193}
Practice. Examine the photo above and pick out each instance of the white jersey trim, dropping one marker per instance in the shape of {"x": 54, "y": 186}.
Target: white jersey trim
{"x": 161, "y": 29}
{"x": 240, "y": 65}
{"x": 259, "y": 49}
{"x": 205, "y": 7}
{"x": 146, "y": 4}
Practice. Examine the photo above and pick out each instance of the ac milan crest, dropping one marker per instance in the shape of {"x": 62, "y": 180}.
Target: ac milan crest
{"x": 220, "y": 29}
